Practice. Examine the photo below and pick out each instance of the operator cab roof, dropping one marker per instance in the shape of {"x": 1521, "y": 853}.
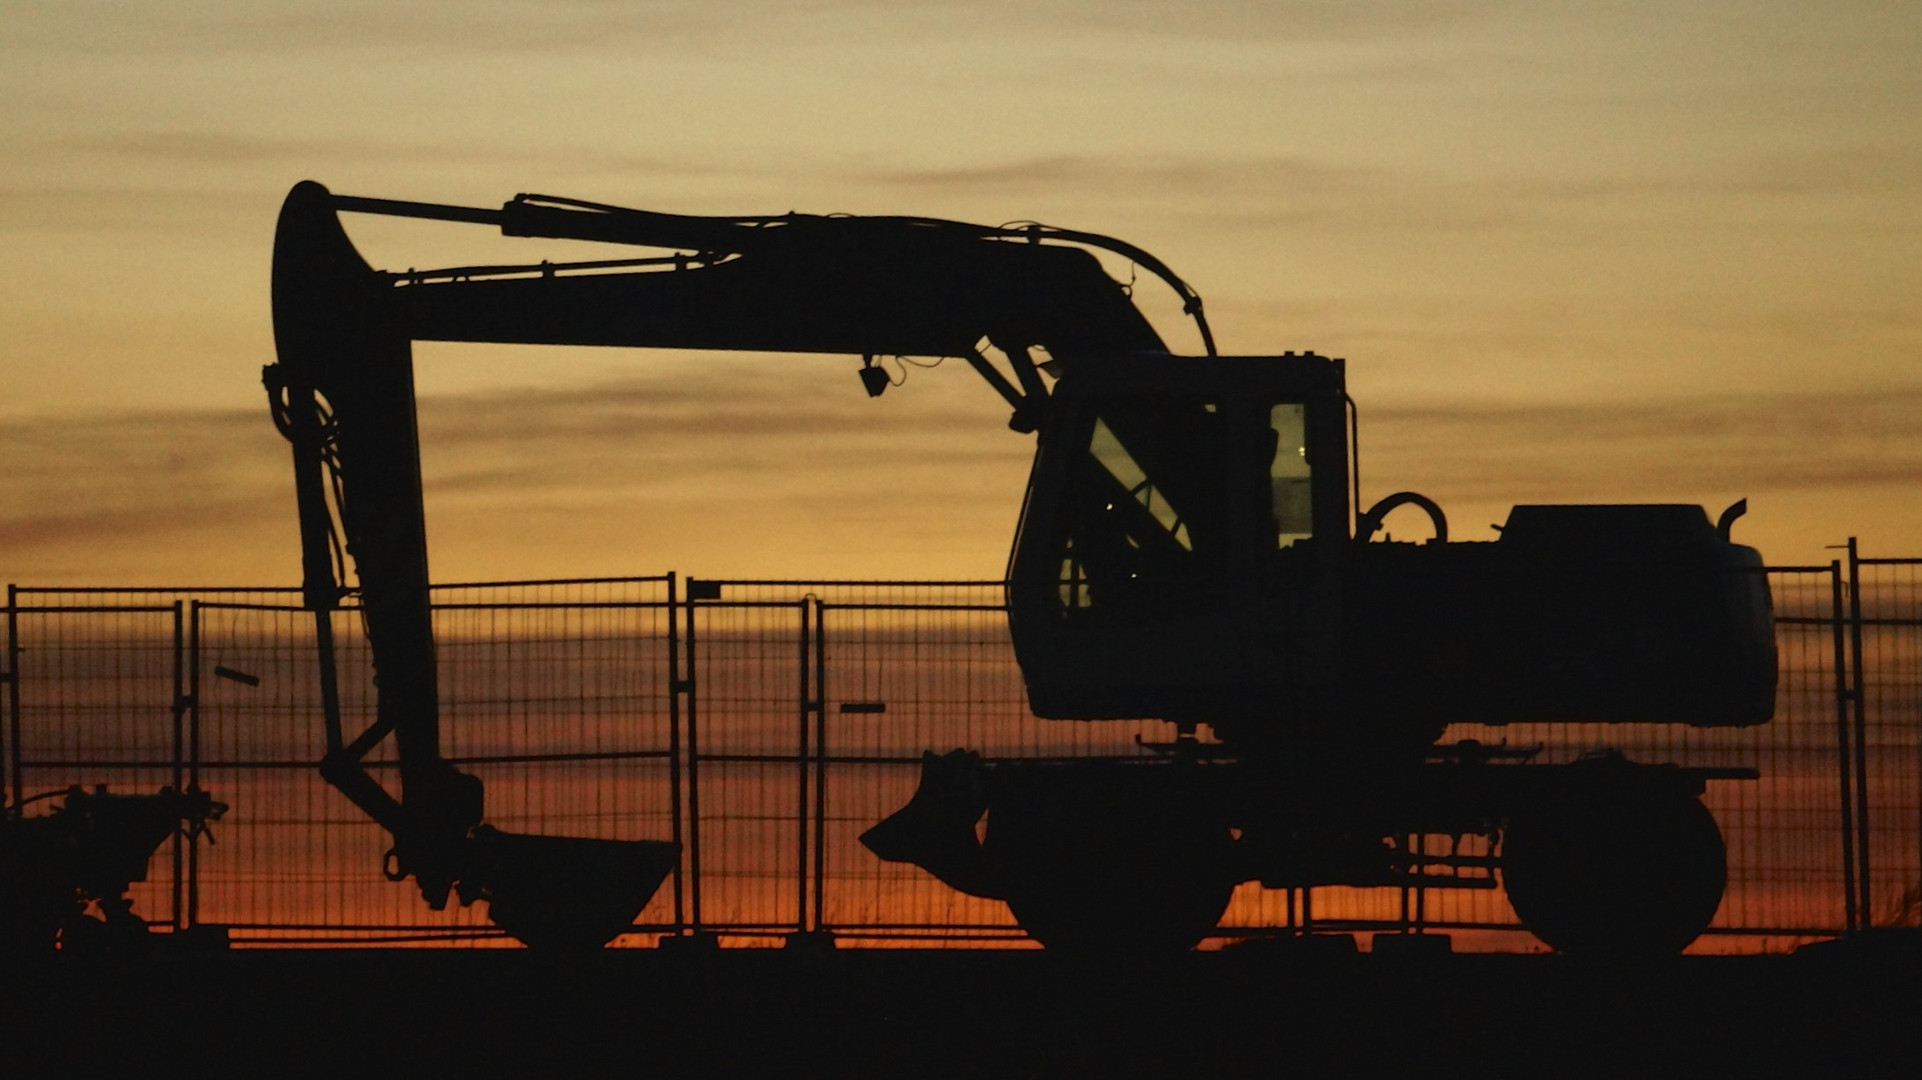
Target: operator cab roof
{"x": 1291, "y": 374}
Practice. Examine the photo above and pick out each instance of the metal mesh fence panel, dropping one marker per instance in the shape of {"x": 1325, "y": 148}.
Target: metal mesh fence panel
{"x": 931, "y": 669}
{"x": 909, "y": 669}
{"x": 1890, "y": 667}
{"x": 98, "y": 705}
{"x": 295, "y": 860}
{"x": 1785, "y": 863}
{"x": 749, "y": 672}
{"x": 767, "y": 724}
{"x": 558, "y": 695}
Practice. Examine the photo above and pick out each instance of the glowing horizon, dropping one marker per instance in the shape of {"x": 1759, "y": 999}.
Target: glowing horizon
{"x": 1583, "y": 255}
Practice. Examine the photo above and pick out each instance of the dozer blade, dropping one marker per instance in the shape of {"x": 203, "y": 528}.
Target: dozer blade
{"x": 935, "y": 830}
{"x": 569, "y": 893}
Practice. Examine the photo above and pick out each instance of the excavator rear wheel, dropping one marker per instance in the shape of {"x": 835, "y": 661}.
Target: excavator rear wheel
{"x": 1615, "y": 872}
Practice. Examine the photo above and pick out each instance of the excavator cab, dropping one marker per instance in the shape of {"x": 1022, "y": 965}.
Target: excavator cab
{"x": 1174, "y": 502}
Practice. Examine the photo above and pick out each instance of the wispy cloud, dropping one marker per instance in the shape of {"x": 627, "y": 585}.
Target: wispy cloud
{"x": 775, "y": 468}
{"x": 303, "y": 26}
{"x": 1242, "y": 21}
{"x": 529, "y": 25}
{"x": 1150, "y": 175}
{"x": 1255, "y": 191}
{"x": 659, "y": 461}
{"x": 192, "y": 148}
{"x": 1572, "y": 452}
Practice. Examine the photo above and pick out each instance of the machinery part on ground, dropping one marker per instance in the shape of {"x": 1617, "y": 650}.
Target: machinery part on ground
{"x": 1615, "y": 870}
{"x": 1110, "y": 860}
{"x": 88, "y": 850}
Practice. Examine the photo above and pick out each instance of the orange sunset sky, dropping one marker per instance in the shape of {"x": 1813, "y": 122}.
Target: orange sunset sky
{"x": 1572, "y": 252}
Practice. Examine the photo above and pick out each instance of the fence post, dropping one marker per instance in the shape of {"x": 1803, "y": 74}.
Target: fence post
{"x": 676, "y": 688}
{"x": 1858, "y": 695}
{"x": 11, "y": 750}
{"x": 820, "y": 705}
{"x": 696, "y": 590}
{"x": 1842, "y": 743}
{"x": 803, "y": 704}
{"x": 179, "y": 780}
{"x": 193, "y": 755}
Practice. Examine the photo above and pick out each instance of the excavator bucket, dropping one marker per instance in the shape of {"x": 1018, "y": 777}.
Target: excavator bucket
{"x": 569, "y": 893}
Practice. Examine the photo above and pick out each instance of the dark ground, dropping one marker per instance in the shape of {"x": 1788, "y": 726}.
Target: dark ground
{"x": 1839, "y": 1010}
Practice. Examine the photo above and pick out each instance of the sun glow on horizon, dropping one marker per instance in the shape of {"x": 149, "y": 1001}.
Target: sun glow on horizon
{"x": 1582, "y": 255}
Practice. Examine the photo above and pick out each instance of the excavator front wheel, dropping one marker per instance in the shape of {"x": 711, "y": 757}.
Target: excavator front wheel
{"x": 1615, "y": 871}
{"x": 1107, "y": 860}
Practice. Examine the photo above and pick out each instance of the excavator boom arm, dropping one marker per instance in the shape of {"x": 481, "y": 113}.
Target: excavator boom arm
{"x": 343, "y": 393}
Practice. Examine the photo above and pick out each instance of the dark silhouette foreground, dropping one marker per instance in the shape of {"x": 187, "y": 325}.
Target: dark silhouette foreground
{"x": 905, "y": 1013}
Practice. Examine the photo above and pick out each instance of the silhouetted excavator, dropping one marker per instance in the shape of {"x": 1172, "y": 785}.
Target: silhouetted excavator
{"x": 1192, "y": 548}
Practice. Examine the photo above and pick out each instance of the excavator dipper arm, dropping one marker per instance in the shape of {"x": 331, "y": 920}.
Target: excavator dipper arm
{"x": 343, "y": 394}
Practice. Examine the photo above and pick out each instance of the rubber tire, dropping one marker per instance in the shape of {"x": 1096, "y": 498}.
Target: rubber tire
{"x": 1095, "y": 870}
{"x": 1616, "y": 873}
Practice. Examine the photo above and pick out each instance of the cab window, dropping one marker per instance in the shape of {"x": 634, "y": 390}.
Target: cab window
{"x": 1120, "y": 464}
{"x": 1291, "y": 498}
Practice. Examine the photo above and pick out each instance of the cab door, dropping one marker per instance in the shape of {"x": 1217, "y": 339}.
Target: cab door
{"x": 1179, "y": 515}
